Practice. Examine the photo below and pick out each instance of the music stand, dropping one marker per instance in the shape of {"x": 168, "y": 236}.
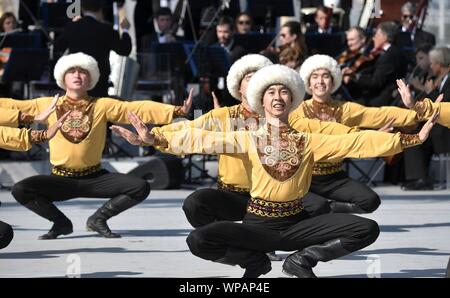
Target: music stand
{"x": 25, "y": 65}
{"x": 269, "y": 9}
{"x": 21, "y": 40}
{"x": 329, "y": 44}
{"x": 254, "y": 42}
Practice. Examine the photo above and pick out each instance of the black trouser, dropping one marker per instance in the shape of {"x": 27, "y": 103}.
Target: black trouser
{"x": 259, "y": 234}
{"x": 208, "y": 205}
{"x": 6, "y": 234}
{"x": 418, "y": 160}
{"x": 102, "y": 184}
{"x": 339, "y": 187}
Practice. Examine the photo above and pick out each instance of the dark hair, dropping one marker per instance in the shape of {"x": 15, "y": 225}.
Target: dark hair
{"x": 324, "y": 9}
{"x": 424, "y": 48}
{"x": 92, "y": 5}
{"x": 300, "y": 44}
{"x": 390, "y": 29}
{"x": 163, "y": 11}
{"x": 244, "y": 14}
{"x": 226, "y": 20}
{"x": 5, "y": 16}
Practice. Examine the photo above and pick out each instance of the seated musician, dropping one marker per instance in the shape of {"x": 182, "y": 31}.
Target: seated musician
{"x": 373, "y": 82}
{"x": 356, "y": 46}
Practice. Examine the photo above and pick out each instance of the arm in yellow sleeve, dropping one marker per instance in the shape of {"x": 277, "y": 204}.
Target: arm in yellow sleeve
{"x": 198, "y": 141}
{"x": 147, "y": 110}
{"x": 318, "y": 126}
{"x": 9, "y": 117}
{"x": 15, "y": 139}
{"x": 358, "y": 115}
{"x": 31, "y": 106}
{"x": 426, "y": 108}
{"x": 214, "y": 120}
{"x": 365, "y": 144}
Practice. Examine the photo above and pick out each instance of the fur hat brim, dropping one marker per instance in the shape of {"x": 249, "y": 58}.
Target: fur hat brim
{"x": 240, "y": 68}
{"x": 272, "y": 75}
{"x": 76, "y": 60}
{"x": 321, "y": 61}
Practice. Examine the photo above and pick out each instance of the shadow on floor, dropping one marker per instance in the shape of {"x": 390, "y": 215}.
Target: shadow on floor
{"x": 406, "y": 228}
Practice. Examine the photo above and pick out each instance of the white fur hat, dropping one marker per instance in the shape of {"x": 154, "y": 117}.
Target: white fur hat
{"x": 240, "y": 68}
{"x": 321, "y": 61}
{"x": 76, "y": 60}
{"x": 272, "y": 75}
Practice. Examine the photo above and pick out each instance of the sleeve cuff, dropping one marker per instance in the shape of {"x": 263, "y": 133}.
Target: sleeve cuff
{"x": 37, "y": 136}
{"x": 408, "y": 141}
{"x": 178, "y": 111}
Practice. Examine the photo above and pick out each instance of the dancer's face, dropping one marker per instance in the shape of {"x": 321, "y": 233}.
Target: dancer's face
{"x": 244, "y": 84}
{"x": 77, "y": 79}
{"x": 321, "y": 82}
{"x": 277, "y": 101}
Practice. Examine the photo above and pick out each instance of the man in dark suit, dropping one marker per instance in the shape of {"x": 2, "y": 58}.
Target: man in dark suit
{"x": 409, "y": 27}
{"x": 322, "y": 20}
{"x": 417, "y": 161}
{"x": 224, "y": 34}
{"x": 95, "y": 38}
{"x": 373, "y": 84}
{"x": 165, "y": 31}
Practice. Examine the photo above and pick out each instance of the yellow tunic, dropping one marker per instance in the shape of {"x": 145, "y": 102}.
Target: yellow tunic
{"x": 352, "y": 114}
{"x": 15, "y": 139}
{"x": 280, "y": 169}
{"x": 80, "y": 142}
{"x": 9, "y": 117}
{"x": 235, "y": 118}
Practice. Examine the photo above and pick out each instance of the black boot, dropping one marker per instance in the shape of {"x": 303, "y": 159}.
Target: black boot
{"x": 300, "y": 263}
{"x": 97, "y": 221}
{"x": 274, "y": 257}
{"x": 343, "y": 207}
{"x": 254, "y": 263}
{"x": 61, "y": 224}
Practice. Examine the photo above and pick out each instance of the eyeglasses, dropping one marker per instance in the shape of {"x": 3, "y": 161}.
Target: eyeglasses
{"x": 244, "y": 22}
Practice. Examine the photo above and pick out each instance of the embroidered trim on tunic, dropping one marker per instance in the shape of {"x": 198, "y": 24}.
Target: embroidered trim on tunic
{"x": 274, "y": 209}
{"x": 331, "y": 111}
{"x": 327, "y": 168}
{"x": 78, "y": 124}
{"x": 281, "y": 153}
{"x": 66, "y": 172}
{"x": 38, "y": 136}
{"x": 408, "y": 141}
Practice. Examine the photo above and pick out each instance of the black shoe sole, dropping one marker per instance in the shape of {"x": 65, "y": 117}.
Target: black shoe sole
{"x": 112, "y": 235}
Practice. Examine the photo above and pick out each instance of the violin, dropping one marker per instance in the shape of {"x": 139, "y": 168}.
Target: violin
{"x": 364, "y": 59}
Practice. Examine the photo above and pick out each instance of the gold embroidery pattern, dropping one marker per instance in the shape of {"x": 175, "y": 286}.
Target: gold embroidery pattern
{"x": 274, "y": 209}
{"x": 78, "y": 124}
{"x": 38, "y": 136}
{"x": 178, "y": 111}
{"x": 420, "y": 108}
{"x": 160, "y": 140}
{"x": 224, "y": 186}
{"x": 25, "y": 119}
{"x": 281, "y": 154}
{"x": 331, "y": 111}
{"x": 66, "y": 172}
{"x": 251, "y": 119}
{"x": 327, "y": 168}
{"x": 408, "y": 141}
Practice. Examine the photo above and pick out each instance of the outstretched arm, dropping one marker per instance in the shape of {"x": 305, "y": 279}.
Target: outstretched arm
{"x": 366, "y": 144}
{"x": 149, "y": 111}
